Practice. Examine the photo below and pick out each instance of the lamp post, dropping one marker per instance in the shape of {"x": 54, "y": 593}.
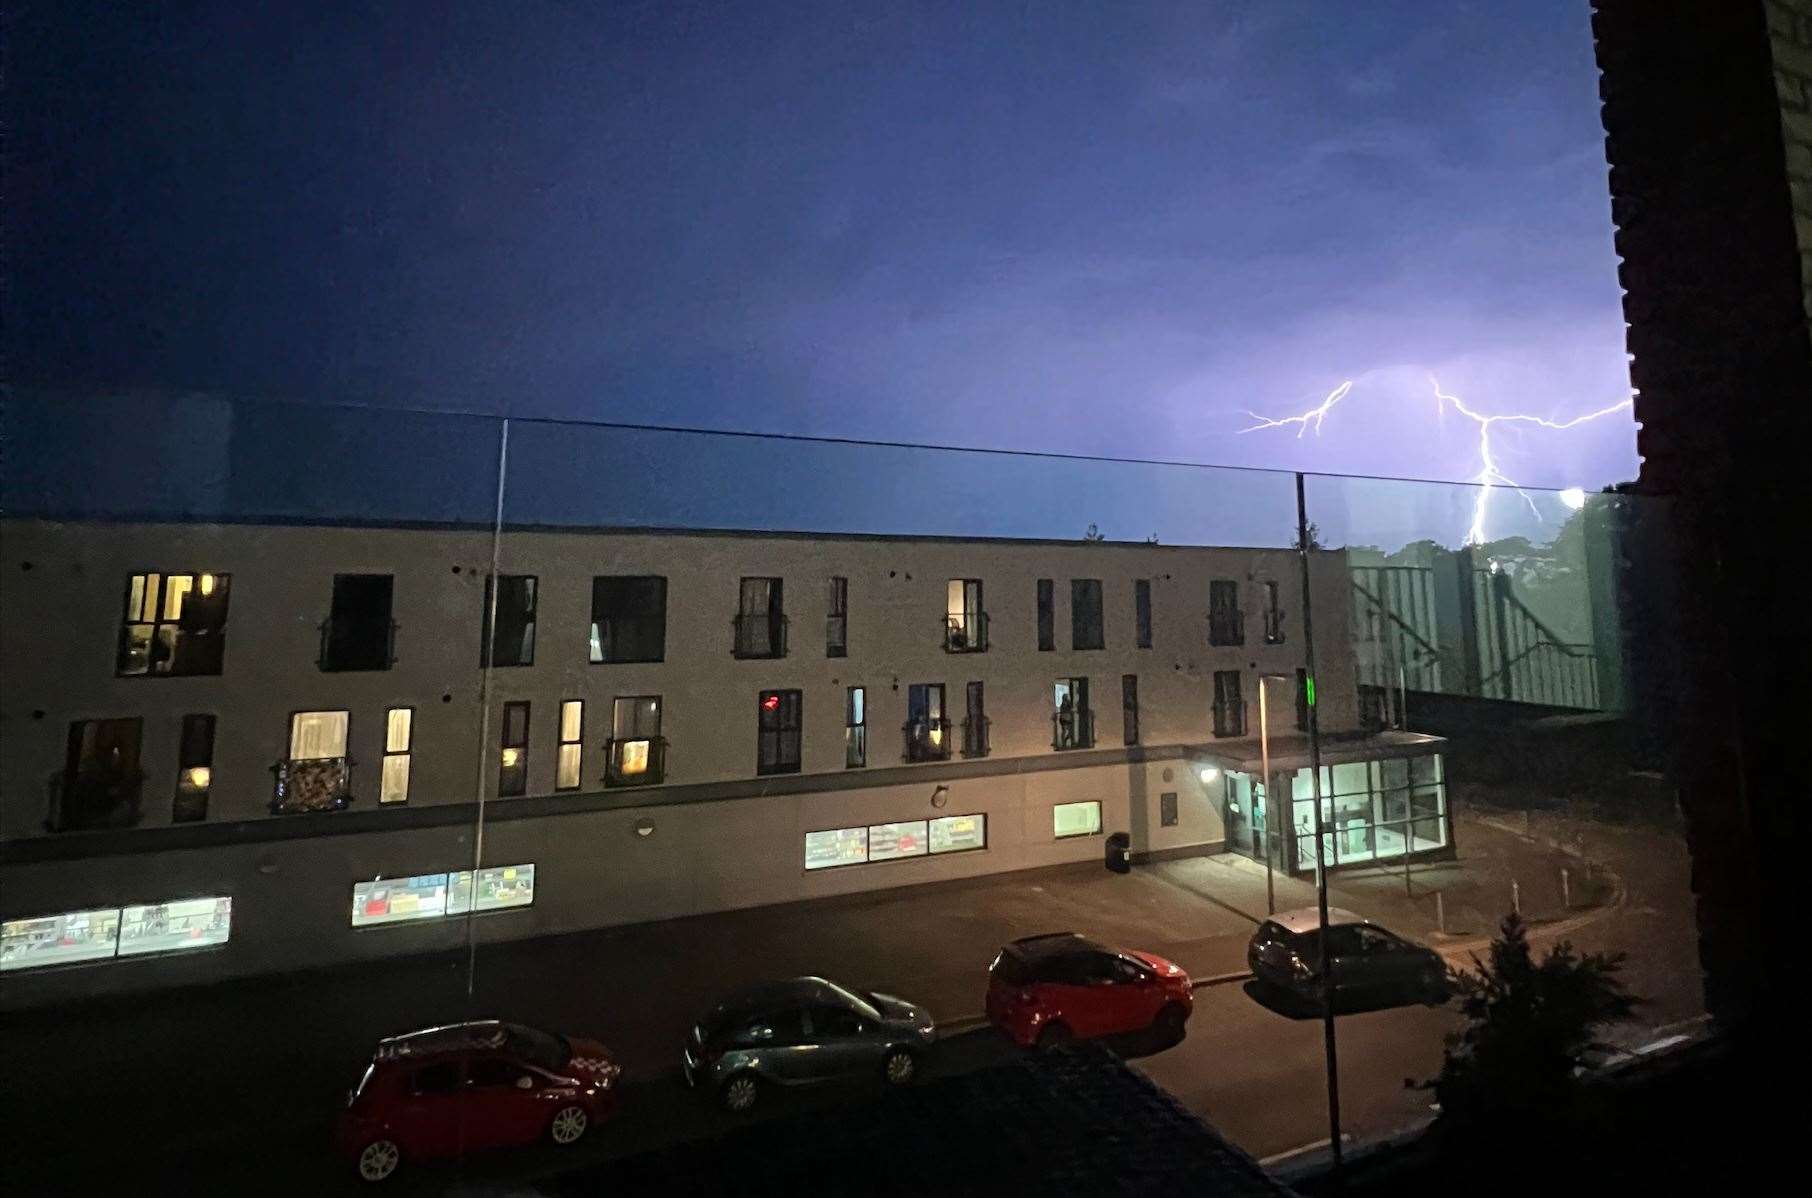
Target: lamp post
{"x": 1264, "y": 756}
{"x": 1321, "y": 872}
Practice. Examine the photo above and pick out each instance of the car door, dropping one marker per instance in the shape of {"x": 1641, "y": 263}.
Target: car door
{"x": 1108, "y": 999}
{"x": 846, "y": 1042}
{"x": 426, "y": 1118}
{"x": 779, "y": 1045}
{"x": 501, "y": 1111}
{"x": 1138, "y": 994}
{"x": 1345, "y": 961}
{"x": 1395, "y": 966}
{"x": 1067, "y": 993}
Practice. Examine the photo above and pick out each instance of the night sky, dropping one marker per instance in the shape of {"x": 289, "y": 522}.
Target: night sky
{"x": 1088, "y": 228}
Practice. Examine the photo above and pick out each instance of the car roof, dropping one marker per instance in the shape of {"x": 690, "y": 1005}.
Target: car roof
{"x": 477, "y": 1035}
{"x": 765, "y": 996}
{"x": 1053, "y": 944}
{"x": 1308, "y": 919}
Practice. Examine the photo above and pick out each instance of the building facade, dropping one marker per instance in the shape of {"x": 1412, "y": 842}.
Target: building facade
{"x": 296, "y": 745}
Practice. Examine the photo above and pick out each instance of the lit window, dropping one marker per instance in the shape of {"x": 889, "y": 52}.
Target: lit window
{"x": 59, "y": 939}
{"x": 176, "y": 925}
{"x": 174, "y": 624}
{"x": 512, "y": 752}
{"x": 833, "y": 847}
{"x": 1076, "y": 819}
{"x": 194, "y": 769}
{"x": 633, "y": 756}
{"x": 399, "y": 733}
{"x": 432, "y": 896}
{"x": 317, "y": 734}
{"x": 572, "y": 729}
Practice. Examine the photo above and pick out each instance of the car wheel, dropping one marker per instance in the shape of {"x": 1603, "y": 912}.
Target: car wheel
{"x": 1054, "y": 1035}
{"x": 899, "y": 1067}
{"x": 569, "y": 1124}
{"x": 740, "y": 1092}
{"x": 1169, "y": 1022}
{"x": 379, "y": 1159}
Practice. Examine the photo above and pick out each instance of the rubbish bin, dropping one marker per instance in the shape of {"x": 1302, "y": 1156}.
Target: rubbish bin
{"x": 1119, "y": 853}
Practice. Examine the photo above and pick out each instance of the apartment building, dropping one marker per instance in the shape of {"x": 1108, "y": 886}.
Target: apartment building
{"x": 276, "y": 745}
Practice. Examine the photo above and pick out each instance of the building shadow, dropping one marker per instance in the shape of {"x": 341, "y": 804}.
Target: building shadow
{"x": 1295, "y": 1006}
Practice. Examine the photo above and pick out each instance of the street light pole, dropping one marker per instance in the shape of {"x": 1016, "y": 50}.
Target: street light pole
{"x": 1264, "y": 754}
{"x": 1321, "y": 872}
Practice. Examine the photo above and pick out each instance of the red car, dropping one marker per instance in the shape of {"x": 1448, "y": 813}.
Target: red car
{"x": 1045, "y": 990}
{"x": 468, "y": 1086}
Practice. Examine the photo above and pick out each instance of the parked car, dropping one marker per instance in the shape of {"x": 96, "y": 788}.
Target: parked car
{"x": 802, "y": 1031}
{"x": 471, "y": 1086}
{"x": 1045, "y": 990}
{"x": 1368, "y": 962}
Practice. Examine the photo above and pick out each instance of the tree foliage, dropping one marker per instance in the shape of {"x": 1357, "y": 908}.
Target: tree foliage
{"x": 1528, "y": 1021}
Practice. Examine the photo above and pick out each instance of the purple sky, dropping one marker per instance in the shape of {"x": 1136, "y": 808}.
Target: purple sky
{"x": 1089, "y": 228}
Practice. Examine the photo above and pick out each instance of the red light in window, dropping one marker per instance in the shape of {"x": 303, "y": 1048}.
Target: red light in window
{"x": 771, "y": 703}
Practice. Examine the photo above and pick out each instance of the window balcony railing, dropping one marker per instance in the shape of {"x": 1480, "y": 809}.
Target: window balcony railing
{"x": 311, "y": 784}
{"x": 836, "y": 636}
{"x": 966, "y": 634}
{"x": 759, "y": 635}
{"x": 855, "y": 746}
{"x": 927, "y": 740}
{"x": 94, "y": 801}
{"x": 1230, "y": 717}
{"x": 353, "y": 643}
{"x": 635, "y": 761}
{"x": 1226, "y": 626}
{"x": 1073, "y": 729}
{"x": 975, "y": 736}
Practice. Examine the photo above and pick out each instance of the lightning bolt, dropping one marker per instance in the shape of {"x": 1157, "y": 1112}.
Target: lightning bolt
{"x": 1489, "y": 477}
{"x": 1313, "y": 416}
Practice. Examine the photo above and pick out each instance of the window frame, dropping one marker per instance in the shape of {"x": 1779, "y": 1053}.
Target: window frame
{"x": 576, "y": 743}
{"x": 1142, "y": 629}
{"x": 855, "y": 730}
{"x": 595, "y": 639}
{"x": 1129, "y": 709}
{"x": 654, "y": 770}
{"x": 189, "y": 804}
{"x": 1223, "y": 727}
{"x": 224, "y": 580}
{"x": 836, "y": 616}
{"x": 1226, "y": 622}
{"x": 763, "y": 768}
{"x": 487, "y": 648}
{"x": 1092, "y": 590}
{"x": 336, "y": 619}
{"x": 520, "y": 768}
{"x": 1100, "y": 819}
{"x": 406, "y": 753}
{"x": 1047, "y": 615}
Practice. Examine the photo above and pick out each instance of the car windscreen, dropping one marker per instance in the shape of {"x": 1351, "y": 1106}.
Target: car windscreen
{"x": 1010, "y": 968}
{"x": 541, "y": 1049}
{"x": 867, "y": 1008}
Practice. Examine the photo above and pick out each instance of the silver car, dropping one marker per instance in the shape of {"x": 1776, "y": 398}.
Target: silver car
{"x": 802, "y": 1031}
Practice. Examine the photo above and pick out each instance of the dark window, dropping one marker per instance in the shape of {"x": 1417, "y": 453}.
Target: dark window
{"x": 855, "y": 728}
{"x": 1167, "y": 809}
{"x": 1229, "y": 707}
{"x": 760, "y": 623}
{"x": 512, "y": 754}
{"x": 777, "y": 718}
{"x": 1302, "y": 699}
{"x": 975, "y": 723}
{"x": 965, "y": 621}
{"x": 101, "y": 779}
{"x": 836, "y": 1023}
{"x": 927, "y": 729}
{"x": 194, "y": 769}
{"x": 1142, "y": 611}
{"x": 836, "y": 619}
{"x": 358, "y": 633}
{"x": 628, "y": 618}
{"x": 775, "y": 1027}
{"x": 1129, "y": 708}
{"x": 636, "y": 754}
{"x": 514, "y": 641}
{"x": 1072, "y": 720}
{"x": 1047, "y": 621}
{"x": 1274, "y": 614}
{"x": 1226, "y": 626}
{"x": 440, "y": 1078}
{"x": 175, "y": 624}
{"x": 1085, "y": 613}
{"x": 493, "y": 1073}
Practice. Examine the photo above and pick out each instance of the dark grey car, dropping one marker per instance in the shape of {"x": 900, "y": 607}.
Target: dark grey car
{"x": 802, "y": 1031}
{"x": 1368, "y": 963}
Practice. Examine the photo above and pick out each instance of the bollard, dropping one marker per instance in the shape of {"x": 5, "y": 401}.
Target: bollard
{"x": 1566, "y": 891}
{"x": 1516, "y": 897}
{"x": 1440, "y": 912}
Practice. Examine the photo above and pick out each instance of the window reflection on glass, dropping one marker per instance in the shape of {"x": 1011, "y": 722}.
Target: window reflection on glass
{"x": 634, "y": 757}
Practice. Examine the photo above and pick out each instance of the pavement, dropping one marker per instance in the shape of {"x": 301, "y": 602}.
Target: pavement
{"x": 235, "y": 1086}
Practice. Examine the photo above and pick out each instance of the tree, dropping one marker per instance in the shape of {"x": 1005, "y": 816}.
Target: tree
{"x": 1314, "y": 538}
{"x": 1094, "y": 533}
{"x": 1528, "y": 1023}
